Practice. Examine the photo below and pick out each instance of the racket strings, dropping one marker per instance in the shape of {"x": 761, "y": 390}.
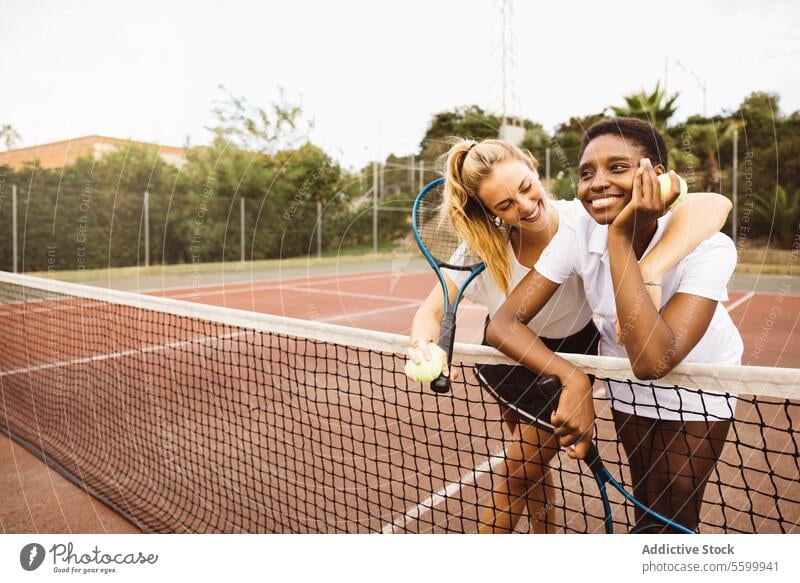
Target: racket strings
{"x": 435, "y": 230}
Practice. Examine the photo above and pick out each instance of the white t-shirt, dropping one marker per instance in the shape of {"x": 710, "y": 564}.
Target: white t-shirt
{"x": 565, "y": 314}
{"x": 581, "y": 248}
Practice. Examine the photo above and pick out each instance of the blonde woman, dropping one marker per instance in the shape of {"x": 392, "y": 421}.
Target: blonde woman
{"x": 497, "y": 203}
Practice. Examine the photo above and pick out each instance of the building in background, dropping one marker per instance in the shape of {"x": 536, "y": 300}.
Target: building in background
{"x": 64, "y": 153}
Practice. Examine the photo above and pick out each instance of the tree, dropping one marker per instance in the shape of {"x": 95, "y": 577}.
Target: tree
{"x": 760, "y": 110}
{"x": 466, "y": 122}
{"x": 536, "y": 140}
{"x": 278, "y": 126}
{"x": 564, "y": 149}
{"x": 89, "y": 214}
{"x": 655, "y": 108}
{"x": 703, "y": 138}
{"x": 782, "y": 213}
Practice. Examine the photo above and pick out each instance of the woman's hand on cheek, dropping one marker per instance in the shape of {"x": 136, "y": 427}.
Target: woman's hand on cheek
{"x": 645, "y": 206}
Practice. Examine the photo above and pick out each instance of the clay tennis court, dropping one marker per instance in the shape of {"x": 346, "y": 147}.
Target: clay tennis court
{"x": 385, "y": 300}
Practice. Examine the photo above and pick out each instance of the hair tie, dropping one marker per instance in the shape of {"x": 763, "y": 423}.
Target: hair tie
{"x": 461, "y": 164}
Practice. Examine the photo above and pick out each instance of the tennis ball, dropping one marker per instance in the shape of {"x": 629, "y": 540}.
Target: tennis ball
{"x": 425, "y": 371}
{"x": 665, "y": 183}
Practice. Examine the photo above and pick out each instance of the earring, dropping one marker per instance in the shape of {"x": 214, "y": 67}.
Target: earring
{"x": 498, "y": 222}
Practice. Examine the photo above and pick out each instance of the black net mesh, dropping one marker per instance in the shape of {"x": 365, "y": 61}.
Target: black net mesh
{"x": 183, "y": 424}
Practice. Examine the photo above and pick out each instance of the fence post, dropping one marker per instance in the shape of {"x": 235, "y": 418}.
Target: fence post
{"x": 146, "y": 228}
{"x": 14, "y": 227}
{"x": 374, "y": 207}
{"x": 241, "y": 226}
{"x": 735, "y": 180}
{"x": 319, "y": 229}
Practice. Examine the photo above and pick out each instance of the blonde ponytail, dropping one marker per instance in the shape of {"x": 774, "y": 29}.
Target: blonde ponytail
{"x": 467, "y": 164}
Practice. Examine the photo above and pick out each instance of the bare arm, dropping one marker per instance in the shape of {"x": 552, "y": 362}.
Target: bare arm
{"x": 508, "y": 329}
{"x": 508, "y": 332}
{"x": 698, "y": 217}
{"x": 425, "y": 326}
{"x": 655, "y": 342}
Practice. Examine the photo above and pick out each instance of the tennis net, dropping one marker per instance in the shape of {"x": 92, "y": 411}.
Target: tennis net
{"x": 191, "y": 418}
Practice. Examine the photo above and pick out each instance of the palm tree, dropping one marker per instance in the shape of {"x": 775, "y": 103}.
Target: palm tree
{"x": 655, "y": 108}
{"x": 781, "y": 212}
{"x": 705, "y": 140}
{"x": 9, "y": 136}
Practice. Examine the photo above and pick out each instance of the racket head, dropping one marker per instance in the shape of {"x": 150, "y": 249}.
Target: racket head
{"x": 439, "y": 242}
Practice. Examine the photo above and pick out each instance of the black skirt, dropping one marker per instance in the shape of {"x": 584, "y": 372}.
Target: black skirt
{"x": 515, "y": 386}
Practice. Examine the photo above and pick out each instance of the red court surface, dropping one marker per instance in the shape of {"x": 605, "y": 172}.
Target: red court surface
{"x": 381, "y": 300}
{"x": 41, "y": 501}
{"x": 386, "y": 301}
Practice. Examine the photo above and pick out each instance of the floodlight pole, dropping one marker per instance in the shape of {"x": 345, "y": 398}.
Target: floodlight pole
{"x": 700, "y": 82}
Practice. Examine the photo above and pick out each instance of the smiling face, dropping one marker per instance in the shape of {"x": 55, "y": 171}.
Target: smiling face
{"x": 606, "y": 172}
{"x": 514, "y": 193}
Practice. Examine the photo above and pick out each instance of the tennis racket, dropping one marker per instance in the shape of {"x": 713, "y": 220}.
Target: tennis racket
{"x": 549, "y": 386}
{"x": 443, "y": 248}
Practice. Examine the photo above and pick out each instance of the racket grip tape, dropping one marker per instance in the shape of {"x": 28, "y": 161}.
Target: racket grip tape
{"x": 447, "y": 336}
{"x": 595, "y": 463}
{"x": 551, "y": 385}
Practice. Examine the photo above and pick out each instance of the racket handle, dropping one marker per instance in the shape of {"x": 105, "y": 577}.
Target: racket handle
{"x": 595, "y": 463}
{"x": 441, "y": 385}
{"x": 447, "y": 335}
{"x": 551, "y": 385}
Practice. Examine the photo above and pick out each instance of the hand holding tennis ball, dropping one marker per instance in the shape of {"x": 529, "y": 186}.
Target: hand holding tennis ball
{"x": 665, "y": 182}
{"x": 425, "y": 371}
{"x": 426, "y": 361}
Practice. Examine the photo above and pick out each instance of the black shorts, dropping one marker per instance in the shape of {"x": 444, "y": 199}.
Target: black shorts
{"x": 515, "y": 386}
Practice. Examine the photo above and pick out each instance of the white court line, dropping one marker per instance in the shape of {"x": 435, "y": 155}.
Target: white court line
{"x": 388, "y": 298}
{"x": 413, "y": 513}
{"x": 243, "y": 287}
{"x": 407, "y": 302}
{"x": 350, "y": 315}
{"x": 112, "y": 355}
{"x": 739, "y": 302}
{"x": 265, "y": 283}
{"x": 327, "y": 292}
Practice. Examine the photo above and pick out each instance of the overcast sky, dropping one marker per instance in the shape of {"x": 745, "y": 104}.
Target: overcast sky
{"x": 369, "y": 76}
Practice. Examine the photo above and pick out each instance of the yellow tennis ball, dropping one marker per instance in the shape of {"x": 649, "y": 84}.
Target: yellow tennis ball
{"x": 665, "y": 183}
{"x": 425, "y": 371}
